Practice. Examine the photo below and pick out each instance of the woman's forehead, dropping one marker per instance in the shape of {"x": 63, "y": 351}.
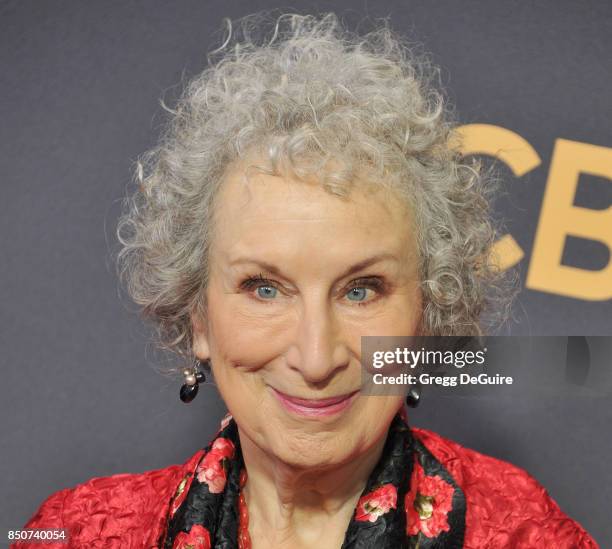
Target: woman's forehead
{"x": 264, "y": 198}
{"x": 278, "y": 220}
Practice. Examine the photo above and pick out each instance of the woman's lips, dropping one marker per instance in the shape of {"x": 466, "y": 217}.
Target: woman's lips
{"x": 319, "y": 407}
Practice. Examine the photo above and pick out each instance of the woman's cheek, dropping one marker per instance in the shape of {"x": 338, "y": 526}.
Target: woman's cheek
{"x": 378, "y": 411}
{"x": 239, "y": 392}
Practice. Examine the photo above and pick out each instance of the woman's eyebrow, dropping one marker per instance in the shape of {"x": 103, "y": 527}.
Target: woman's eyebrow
{"x": 356, "y": 267}
{"x": 269, "y": 267}
{"x": 368, "y": 262}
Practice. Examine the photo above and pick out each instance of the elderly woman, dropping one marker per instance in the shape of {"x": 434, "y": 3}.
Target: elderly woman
{"x": 306, "y": 194}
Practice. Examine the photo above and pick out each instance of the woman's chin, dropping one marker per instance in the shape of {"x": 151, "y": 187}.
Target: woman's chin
{"x": 312, "y": 454}
{"x": 308, "y": 445}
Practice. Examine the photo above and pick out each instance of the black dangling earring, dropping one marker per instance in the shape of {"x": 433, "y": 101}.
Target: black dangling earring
{"x": 193, "y": 377}
{"x": 414, "y": 395}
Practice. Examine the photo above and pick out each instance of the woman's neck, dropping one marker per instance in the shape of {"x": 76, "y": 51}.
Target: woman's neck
{"x": 291, "y": 506}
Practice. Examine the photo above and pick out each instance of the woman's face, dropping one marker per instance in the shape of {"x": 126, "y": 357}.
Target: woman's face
{"x": 297, "y": 277}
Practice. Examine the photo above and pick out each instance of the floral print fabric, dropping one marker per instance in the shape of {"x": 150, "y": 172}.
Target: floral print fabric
{"x": 410, "y": 499}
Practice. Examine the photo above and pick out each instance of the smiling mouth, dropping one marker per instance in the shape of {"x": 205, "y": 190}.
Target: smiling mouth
{"x": 315, "y": 407}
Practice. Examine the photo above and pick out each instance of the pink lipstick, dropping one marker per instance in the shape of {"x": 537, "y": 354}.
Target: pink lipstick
{"x": 315, "y": 407}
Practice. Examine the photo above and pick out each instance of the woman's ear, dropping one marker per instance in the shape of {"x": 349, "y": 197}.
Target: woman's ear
{"x": 201, "y": 348}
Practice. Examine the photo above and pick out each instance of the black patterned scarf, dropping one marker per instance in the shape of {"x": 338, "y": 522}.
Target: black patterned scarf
{"x": 410, "y": 500}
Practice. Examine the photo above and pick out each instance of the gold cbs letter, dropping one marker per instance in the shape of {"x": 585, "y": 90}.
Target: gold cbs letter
{"x": 517, "y": 154}
{"x": 559, "y": 217}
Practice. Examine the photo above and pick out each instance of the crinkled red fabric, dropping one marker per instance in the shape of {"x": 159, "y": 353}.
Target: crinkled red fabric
{"x": 116, "y": 512}
{"x": 506, "y": 507}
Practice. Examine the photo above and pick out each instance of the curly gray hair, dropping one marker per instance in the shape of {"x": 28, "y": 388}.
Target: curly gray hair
{"x": 311, "y": 96}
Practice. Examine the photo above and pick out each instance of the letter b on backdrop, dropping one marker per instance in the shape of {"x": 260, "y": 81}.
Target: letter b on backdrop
{"x": 559, "y": 217}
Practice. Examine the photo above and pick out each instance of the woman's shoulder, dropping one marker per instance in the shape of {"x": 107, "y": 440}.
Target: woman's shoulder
{"x": 120, "y": 510}
{"x": 506, "y": 506}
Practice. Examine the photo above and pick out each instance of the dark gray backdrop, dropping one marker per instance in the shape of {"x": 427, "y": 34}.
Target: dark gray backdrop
{"x": 80, "y": 83}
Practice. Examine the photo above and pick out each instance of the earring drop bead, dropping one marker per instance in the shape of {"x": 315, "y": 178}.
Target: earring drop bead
{"x": 190, "y": 379}
{"x": 188, "y": 392}
{"x": 414, "y": 396}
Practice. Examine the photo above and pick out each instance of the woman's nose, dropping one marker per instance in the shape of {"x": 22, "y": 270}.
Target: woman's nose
{"x": 319, "y": 349}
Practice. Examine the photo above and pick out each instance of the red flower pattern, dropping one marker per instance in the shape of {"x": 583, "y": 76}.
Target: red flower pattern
{"x": 197, "y": 538}
{"x": 211, "y": 470}
{"x": 427, "y": 504}
{"x": 376, "y": 503}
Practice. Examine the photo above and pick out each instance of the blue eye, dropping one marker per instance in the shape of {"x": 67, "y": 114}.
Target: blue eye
{"x": 357, "y": 294}
{"x": 266, "y": 292}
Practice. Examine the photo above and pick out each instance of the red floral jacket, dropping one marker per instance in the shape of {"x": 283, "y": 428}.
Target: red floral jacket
{"x": 506, "y": 508}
